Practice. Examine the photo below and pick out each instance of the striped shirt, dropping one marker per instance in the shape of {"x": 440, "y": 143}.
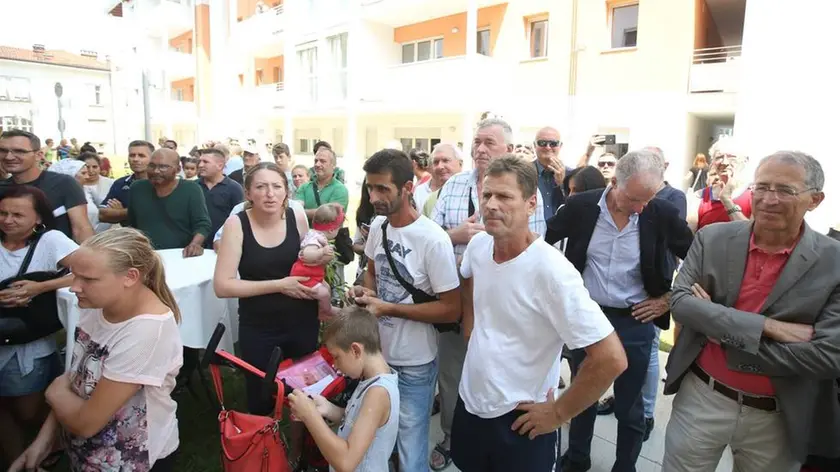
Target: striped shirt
{"x": 452, "y": 207}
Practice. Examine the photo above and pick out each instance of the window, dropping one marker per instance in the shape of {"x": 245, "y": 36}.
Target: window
{"x": 425, "y": 144}
{"x": 483, "y": 43}
{"x": 97, "y": 95}
{"x": 277, "y": 75}
{"x": 241, "y": 80}
{"x": 178, "y": 94}
{"x": 422, "y": 50}
{"x": 538, "y": 38}
{"x": 259, "y": 78}
{"x": 338, "y": 66}
{"x": 305, "y": 145}
{"x": 624, "y": 22}
{"x": 308, "y": 59}
{"x": 15, "y": 122}
{"x": 14, "y": 89}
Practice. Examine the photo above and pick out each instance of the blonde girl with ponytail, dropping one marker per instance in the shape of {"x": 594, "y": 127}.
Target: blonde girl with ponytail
{"x": 114, "y": 408}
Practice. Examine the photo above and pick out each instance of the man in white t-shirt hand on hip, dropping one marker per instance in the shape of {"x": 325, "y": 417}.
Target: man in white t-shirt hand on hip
{"x": 421, "y": 260}
{"x": 522, "y": 301}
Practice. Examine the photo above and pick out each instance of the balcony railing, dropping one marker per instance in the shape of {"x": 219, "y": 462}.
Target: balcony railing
{"x": 715, "y": 70}
{"x": 268, "y": 97}
{"x": 261, "y": 32}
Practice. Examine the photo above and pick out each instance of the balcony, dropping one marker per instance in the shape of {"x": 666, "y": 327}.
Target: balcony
{"x": 715, "y": 70}
{"x": 267, "y": 99}
{"x": 404, "y": 12}
{"x": 179, "y": 65}
{"x": 176, "y": 16}
{"x": 453, "y": 82}
{"x": 262, "y": 33}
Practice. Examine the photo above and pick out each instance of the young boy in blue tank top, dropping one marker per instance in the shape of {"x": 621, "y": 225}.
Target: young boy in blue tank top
{"x": 369, "y": 424}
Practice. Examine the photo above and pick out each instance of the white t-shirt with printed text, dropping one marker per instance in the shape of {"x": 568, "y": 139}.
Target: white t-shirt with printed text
{"x": 423, "y": 255}
{"x": 145, "y": 350}
{"x": 525, "y": 310}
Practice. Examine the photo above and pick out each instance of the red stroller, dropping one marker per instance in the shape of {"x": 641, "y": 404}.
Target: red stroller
{"x": 254, "y": 443}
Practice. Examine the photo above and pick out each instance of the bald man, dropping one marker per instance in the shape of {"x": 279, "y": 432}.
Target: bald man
{"x": 170, "y": 211}
{"x": 550, "y": 169}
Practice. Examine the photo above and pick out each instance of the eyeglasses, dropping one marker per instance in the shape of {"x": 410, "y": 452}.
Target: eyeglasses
{"x": 548, "y": 143}
{"x": 606, "y": 163}
{"x": 15, "y": 152}
{"x": 782, "y": 192}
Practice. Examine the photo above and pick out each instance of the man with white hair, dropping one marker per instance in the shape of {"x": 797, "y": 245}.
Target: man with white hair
{"x": 727, "y": 196}
{"x": 756, "y": 365}
{"x": 446, "y": 162}
{"x": 618, "y": 238}
{"x": 457, "y": 211}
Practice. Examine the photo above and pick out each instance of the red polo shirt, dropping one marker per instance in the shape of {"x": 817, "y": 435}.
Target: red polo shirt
{"x": 713, "y": 211}
{"x": 761, "y": 273}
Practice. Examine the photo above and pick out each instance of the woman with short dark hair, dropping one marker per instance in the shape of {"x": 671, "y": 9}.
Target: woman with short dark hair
{"x": 26, "y": 370}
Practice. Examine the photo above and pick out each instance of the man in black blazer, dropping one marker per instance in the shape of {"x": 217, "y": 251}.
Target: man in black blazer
{"x": 620, "y": 239}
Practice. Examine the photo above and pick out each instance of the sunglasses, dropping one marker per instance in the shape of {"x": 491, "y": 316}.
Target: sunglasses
{"x": 606, "y": 164}
{"x": 548, "y": 143}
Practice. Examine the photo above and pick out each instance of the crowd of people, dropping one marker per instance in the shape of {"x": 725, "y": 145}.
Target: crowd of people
{"x": 472, "y": 288}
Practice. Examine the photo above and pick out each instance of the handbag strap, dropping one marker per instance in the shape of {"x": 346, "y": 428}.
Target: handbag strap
{"x": 470, "y": 205}
{"x": 414, "y": 291}
{"x": 216, "y": 374}
{"x": 27, "y": 259}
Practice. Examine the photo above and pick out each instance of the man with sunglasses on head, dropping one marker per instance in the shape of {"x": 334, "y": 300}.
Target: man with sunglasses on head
{"x": 20, "y": 154}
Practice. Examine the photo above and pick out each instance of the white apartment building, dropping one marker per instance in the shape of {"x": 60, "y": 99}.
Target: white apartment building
{"x": 28, "y": 99}
{"x": 362, "y": 73}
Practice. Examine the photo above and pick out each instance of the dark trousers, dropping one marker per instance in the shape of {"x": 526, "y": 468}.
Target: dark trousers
{"x": 637, "y": 339}
{"x": 165, "y": 464}
{"x": 489, "y": 445}
{"x": 257, "y": 342}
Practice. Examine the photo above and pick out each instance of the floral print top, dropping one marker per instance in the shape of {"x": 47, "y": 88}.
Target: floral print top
{"x": 145, "y": 350}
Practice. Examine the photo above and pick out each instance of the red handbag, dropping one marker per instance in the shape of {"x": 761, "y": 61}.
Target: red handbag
{"x": 250, "y": 443}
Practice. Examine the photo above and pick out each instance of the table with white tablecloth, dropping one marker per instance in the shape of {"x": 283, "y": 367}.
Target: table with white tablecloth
{"x": 191, "y": 282}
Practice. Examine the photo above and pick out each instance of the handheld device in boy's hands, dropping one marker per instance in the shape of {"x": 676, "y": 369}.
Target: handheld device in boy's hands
{"x": 316, "y": 254}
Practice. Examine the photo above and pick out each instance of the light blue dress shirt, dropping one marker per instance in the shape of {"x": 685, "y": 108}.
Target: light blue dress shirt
{"x": 613, "y": 272}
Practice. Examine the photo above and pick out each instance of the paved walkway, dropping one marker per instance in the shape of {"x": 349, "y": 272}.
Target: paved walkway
{"x": 603, "y": 444}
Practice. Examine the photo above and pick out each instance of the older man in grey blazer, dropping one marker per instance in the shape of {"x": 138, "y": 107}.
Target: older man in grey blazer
{"x": 755, "y": 365}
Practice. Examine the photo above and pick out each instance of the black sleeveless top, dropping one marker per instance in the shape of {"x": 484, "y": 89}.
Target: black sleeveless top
{"x": 259, "y": 263}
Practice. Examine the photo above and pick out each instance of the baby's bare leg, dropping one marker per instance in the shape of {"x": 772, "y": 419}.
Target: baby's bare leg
{"x": 323, "y": 293}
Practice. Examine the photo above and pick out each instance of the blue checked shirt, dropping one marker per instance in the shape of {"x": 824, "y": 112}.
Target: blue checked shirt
{"x": 452, "y": 207}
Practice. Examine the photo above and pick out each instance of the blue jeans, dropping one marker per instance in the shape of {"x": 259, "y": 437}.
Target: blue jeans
{"x": 636, "y": 338}
{"x": 417, "y": 393}
{"x": 651, "y": 387}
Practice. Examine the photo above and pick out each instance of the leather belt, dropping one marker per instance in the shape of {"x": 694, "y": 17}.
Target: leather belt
{"x": 611, "y": 311}
{"x": 752, "y": 401}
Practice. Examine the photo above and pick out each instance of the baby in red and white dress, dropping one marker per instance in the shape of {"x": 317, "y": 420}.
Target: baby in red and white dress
{"x": 328, "y": 219}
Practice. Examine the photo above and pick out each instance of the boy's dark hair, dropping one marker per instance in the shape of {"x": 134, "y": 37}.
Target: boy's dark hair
{"x": 317, "y": 147}
{"x": 281, "y": 148}
{"x": 34, "y": 141}
{"x": 85, "y": 155}
{"x": 394, "y": 162}
{"x": 354, "y": 324}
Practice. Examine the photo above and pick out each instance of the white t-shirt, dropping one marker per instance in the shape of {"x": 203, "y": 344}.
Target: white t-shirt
{"x": 422, "y": 253}
{"x": 525, "y": 310}
{"x": 421, "y": 194}
{"x": 145, "y": 350}
{"x": 52, "y": 247}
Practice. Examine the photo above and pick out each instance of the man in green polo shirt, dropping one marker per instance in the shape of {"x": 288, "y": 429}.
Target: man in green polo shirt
{"x": 324, "y": 188}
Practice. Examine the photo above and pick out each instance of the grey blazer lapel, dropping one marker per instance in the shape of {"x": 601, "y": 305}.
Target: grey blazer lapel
{"x": 736, "y": 256}
{"x": 804, "y": 256}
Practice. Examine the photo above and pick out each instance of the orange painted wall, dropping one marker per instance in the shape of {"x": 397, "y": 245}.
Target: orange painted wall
{"x": 706, "y": 34}
{"x": 202, "y": 53}
{"x": 183, "y": 41}
{"x": 247, "y": 8}
{"x": 454, "y": 44}
{"x": 267, "y": 65}
{"x": 187, "y": 86}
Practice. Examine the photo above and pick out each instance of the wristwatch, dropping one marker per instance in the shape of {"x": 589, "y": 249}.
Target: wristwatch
{"x": 733, "y": 210}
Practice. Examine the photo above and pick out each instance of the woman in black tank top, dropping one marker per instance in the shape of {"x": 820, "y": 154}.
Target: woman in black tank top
{"x": 274, "y": 308}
